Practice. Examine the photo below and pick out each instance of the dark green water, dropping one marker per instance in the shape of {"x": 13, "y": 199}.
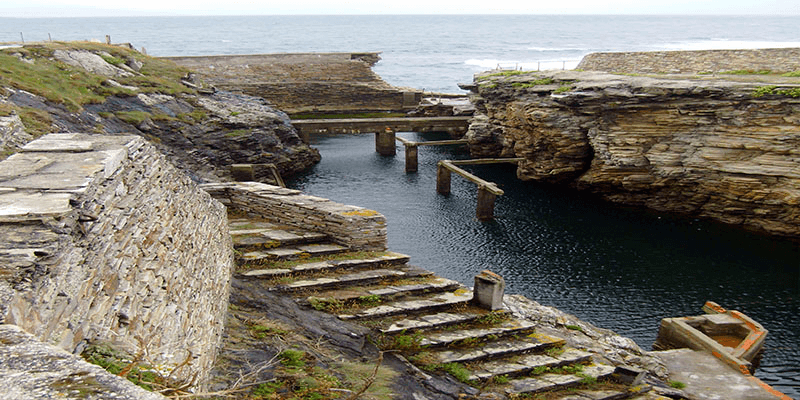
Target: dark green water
{"x": 620, "y": 268}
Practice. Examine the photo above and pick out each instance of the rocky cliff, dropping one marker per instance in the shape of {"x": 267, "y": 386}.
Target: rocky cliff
{"x": 89, "y": 87}
{"x": 723, "y": 148}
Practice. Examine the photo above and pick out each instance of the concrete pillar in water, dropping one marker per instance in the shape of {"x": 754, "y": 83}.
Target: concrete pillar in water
{"x": 442, "y": 180}
{"x": 489, "y": 290}
{"x": 485, "y": 209}
{"x": 384, "y": 142}
{"x": 243, "y": 172}
{"x": 411, "y": 158}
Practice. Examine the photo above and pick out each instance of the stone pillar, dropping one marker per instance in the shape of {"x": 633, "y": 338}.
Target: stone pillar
{"x": 485, "y": 208}
{"x": 384, "y": 142}
{"x": 442, "y": 180}
{"x": 411, "y": 158}
{"x": 243, "y": 172}
{"x": 489, "y": 290}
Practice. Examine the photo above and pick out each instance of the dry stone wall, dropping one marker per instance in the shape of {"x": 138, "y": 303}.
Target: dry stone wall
{"x": 691, "y": 62}
{"x": 101, "y": 239}
{"x": 355, "y": 227}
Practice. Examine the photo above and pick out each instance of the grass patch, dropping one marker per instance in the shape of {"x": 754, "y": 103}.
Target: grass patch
{"x": 747, "y": 72}
{"x": 563, "y": 89}
{"x": 121, "y": 364}
{"x": 238, "y": 133}
{"x": 37, "y": 122}
{"x": 457, "y": 370}
{"x": 773, "y": 90}
{"x": 677, "y": 385}
{"x": 73, "y": 86}
{"x": 793, "y": 74}
{"x": 133, "y": 117}
{"x": 574, "y": 328}
{"x": 538, "y": 82}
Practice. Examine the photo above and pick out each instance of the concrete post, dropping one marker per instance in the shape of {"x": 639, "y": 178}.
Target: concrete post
{"x": 243, "y": 172}
{"x": 384, "y": 142}
{"x": 485, "y": 209}
{"x": 489, "y": 290}
{"x": 442, "y": 180}
{"x": 411, "y": 158}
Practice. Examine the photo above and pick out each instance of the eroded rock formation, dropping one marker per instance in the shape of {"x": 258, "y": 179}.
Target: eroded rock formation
{"x": 723, "y": 149}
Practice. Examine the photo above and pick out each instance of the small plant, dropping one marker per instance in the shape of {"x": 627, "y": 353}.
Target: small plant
{"x": 793, "y": 74}
{"x": 262, "y": 332}
{"x": 265, "y": 390}
{"x": 371, "y": 300}
{"x": 500, "y": 379}
{"x": 493, "y": 318}
{"x": 457, "y": 370}
{"x": 677, "y": 385}
{"x": 586, "y": 379}
{"x": 563, "y": 89}
{"x": 574, "y": 328}
{"x": 292, "y": 358}
{"x": 326, "y": 304}
{"x": 539, "y": 370}
{"x": 555, "y": 351}
{"x": 773, "y": 90}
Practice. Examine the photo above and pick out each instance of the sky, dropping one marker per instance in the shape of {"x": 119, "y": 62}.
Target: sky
{"x": 93, "y": 8}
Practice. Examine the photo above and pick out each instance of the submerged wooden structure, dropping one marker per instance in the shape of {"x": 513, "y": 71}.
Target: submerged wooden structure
{"x": 728, "y": 335}
{"x": 487, "y": 191}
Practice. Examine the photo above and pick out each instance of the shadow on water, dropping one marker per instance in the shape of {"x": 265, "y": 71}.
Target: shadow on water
{"x": 618, "y": 267}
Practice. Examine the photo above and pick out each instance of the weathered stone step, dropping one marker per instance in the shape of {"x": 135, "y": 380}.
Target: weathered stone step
{"x": 525, "y": 364}
{"x": 356, "y": 278}
{"x": 384, "y": 292}
{"x": 463, "y": 336}
{"x": 650, "y": 396}
{"x": 294, "y": 252}
{"x": 597, "y": 395}
{"x": 528, "y": 344}
{"x": 425, "y": 304}
{"x": 259, "y": 235}
{"x": 388, "y": 259}
{"x": 434, "y": 321}
{"x": 552, "y": 382}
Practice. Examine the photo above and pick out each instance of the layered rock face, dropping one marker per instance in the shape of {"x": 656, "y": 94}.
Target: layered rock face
{"x": 710, "y": 148}
{"x": 306, "y": 82}
{"x": 201, "y": 130}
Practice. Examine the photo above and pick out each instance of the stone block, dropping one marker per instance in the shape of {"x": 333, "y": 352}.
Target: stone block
{"x": 489, "y": 290}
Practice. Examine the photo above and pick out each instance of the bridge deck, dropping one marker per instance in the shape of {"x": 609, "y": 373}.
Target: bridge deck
{"x": 454, "y": 125}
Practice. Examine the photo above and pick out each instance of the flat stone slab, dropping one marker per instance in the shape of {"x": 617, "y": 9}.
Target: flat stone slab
{"x": 497, "y": 349}
{"x": 707, "y": 377}
{"x": 506, "y": 328}
{"x": 17, "y": 204}
{"x": 390, "y": 258}
{"x": 526, "y": 363}
{"x": 318, "y": 249}
{"x": 597, "y": 395}
{"x": 430, "y": 321}
{"x": 349, "y": 279}
{"x": 413, "y": 306}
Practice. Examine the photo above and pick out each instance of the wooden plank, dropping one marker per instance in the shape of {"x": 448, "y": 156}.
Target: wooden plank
{"x": 430, "y": 143}
{"x": 488, "y": 186}
{"x": 479, "y": 161}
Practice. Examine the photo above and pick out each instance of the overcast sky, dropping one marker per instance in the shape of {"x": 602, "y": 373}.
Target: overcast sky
{"x": 77, "y": 8}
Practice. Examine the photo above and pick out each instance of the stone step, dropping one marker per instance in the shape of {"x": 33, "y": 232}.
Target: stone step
{"x": 294, "y": 252}
{"x": 493, "y": 350}
{"x": 596, "y": 395}
{"x": 552, "y": 382}
{"x": 525, "y": 364}
{"x": 356, "y": 278}
{"x": 384, "y": 292}
{"x": 389, "y": 259}
{"x": 261, "y": 238}
{"x": 464, "y": 336}
{"x": 416, "y": 306}
{"x": 435, "y": 321}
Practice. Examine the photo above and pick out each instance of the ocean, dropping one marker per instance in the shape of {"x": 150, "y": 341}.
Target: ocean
{"x": 433, "y": 53}
{"x": 620, "y": 268}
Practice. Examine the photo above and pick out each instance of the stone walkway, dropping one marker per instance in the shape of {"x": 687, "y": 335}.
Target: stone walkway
{"x": 430, "y": 320}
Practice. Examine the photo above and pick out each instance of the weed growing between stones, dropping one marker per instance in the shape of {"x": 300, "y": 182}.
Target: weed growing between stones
{"x": 457, "y": 370}
{"x": 677, "y": 384}
{"x": 574, "y": 328}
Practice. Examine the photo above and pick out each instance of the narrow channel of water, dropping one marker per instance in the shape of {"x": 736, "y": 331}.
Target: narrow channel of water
{"x": 617, "y": 267}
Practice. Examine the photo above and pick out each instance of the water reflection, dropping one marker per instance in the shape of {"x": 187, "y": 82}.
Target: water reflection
{"x": 620, "y": 268}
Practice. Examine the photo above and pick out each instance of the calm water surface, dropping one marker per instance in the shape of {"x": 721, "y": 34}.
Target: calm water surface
{"x": 620, "y": 268}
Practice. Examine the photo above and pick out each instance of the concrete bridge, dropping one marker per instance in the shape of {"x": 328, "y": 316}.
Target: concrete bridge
{"x": 455, "y": 126}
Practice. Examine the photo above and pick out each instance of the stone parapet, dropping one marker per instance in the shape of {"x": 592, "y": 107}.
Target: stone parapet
{"x": 693, "y": 62}
{"x": 351, "y": 226}
{"x": 101, "y": 239}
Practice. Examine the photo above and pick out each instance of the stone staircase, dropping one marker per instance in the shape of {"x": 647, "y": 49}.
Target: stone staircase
{"x": 430, "y": 320}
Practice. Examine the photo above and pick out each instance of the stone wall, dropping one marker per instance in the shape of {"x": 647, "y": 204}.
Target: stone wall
{"x": 707, "y": 148}
{"x": 351, "y": 226}
{"x": 101, "y": 239}
{"x": 306, "y": 82}
{"x": 692, "y": 62}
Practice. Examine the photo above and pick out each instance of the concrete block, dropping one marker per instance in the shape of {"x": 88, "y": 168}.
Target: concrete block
{"x": 489, "y": 290}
